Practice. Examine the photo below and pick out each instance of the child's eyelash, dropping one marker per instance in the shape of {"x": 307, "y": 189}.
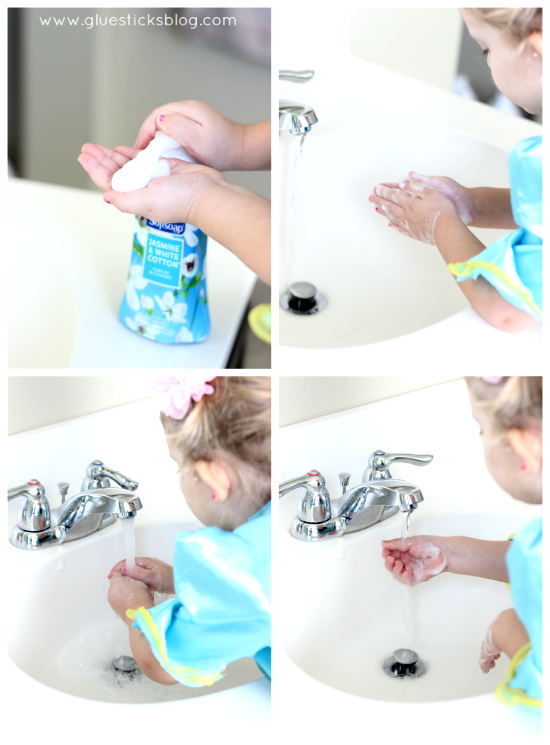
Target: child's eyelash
{"x": 484, "y": 52}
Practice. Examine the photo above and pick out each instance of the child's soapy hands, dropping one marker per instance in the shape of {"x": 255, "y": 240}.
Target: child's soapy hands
{"x": 414, "y": 560}
{"x": 459, "y": 195}
{"x": 156, "y": 574}
{"x": 207, "y": 135}
{"x": 125, "y": 593}
{"x": 412, "y": 208}
{"x": 490, "y": 652}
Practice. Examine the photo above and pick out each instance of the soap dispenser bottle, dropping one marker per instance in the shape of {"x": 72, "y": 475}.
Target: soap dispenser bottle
{"x": 165, "y": 298}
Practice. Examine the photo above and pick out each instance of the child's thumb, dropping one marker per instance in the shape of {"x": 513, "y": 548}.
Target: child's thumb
{"x": 180, "y": 127}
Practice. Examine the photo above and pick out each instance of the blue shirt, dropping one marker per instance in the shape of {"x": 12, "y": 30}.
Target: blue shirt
{"x": 222, "y": 612}
{"x": 513, "y": 264}
{"x": 524, "y": 561}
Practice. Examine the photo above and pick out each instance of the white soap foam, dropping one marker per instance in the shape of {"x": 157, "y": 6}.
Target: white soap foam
{"x": 146, "y": 166}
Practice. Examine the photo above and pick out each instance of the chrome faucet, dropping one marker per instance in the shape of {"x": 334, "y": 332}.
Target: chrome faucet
{"x": 93, "y": 508}
{"x": 378, "y": 497}
{"x": 297, "y": 117}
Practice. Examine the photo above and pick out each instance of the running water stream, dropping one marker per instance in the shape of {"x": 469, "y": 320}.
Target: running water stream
{"x": 406, "y": 599}
{"x": 129, "y": 541}
{"x": 298, "y": 146}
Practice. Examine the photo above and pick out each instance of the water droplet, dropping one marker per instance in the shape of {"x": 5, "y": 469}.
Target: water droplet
{"x": 61, "y": 565}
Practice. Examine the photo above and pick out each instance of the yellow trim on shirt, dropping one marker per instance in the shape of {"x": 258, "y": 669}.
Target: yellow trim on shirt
{"x": 512, "y": 696}
{"x": 464, "y": 268}
{"x": 190, "y": 674}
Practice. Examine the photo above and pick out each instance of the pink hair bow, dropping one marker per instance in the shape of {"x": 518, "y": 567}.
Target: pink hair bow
{"x": 176, "y": 393}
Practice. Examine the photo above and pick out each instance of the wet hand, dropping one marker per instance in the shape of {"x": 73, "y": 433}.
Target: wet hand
{"x": 490, "y": 652}
{"x": 459, "y": 195}
{"x": 157, "y": 575}
{"x": 413, "y": 209}
{"x": 125, "y": 592}
{"x": 414, "y": 560}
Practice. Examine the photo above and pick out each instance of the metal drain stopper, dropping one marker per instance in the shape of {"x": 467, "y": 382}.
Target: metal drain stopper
{"x": 302, "y": 298}
{"x": 404, "y": 663}
{"x": 125, "y": 664}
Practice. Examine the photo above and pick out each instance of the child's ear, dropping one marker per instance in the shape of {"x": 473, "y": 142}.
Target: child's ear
{"x": 527, "y": 443}
{"x": 535, "y": 39}
{"x": 216, "y": 475}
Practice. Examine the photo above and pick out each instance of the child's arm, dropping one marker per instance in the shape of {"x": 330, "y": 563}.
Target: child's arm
{"x": 420, "y": 558}
{"x": 493, "y": 208}
{"x": 479, "y": 207}
{"x": 237, "y": 218}
{"x": 506, "y": 634}
{"x": 457, "y": 244}
{"x": 143, "y": 655}
{"x": 125, "y": 594}
{"x": 427, "y": 215}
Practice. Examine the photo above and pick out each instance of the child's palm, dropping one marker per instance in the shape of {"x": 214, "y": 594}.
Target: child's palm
{"x": 413, "y": 560}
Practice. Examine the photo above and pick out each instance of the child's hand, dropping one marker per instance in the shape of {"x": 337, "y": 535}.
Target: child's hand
{"x": 415, "y": 559}
{"x": 173, "y": 198}
{"x": 207, "y": 135}
{"x": 413, "y": 210}
{"x": 125, "y": 593}
{"x": 459, "y": 195}
{"x": 154, "y": 573}
{"x": 490, "y": 652}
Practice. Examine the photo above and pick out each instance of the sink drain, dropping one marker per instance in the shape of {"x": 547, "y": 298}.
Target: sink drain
{"x": 125, "y": 664}
{"x": 404, "y": 663}
{"x": 303, "y": 299}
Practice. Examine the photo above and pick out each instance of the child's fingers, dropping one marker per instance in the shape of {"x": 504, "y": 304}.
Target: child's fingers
{"x": 128, "y": 152}
{"x": 138, "y": 202}
{"x": 117, "y": 567}
{"x": 100, "y": 175}
{"x": 116, "y": 157}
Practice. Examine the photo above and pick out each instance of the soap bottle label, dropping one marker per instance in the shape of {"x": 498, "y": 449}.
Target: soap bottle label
{"x": 165, "y": 298}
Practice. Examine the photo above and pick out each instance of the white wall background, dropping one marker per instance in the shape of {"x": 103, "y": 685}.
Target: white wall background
{"x": 41, "y": 400}
{"x": 420, "y": 42}
{"x": 302, "y": 398}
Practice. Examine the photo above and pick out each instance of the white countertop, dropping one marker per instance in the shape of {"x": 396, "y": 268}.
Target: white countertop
{"x": 346, "y": 93}
{"x": 60, "y": 452}
{"x": 435, "y": 420}
{"x": 92, "y": 242}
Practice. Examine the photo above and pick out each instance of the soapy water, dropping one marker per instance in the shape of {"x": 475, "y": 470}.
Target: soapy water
{"x": 298, "y": 146}
{"x": 129, "y": 541}
{"x": 85, "y": 664}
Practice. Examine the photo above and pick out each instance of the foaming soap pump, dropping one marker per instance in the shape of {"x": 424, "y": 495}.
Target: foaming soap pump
{"x": 165, "y": 298}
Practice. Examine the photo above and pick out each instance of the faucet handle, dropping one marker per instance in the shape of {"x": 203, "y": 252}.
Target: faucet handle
{"x": 33, "y": 514}
{"x": 314, "y": 499}
{"x": 379, "y": 463}
{"x": 296, "y": 76}
{"x": 99, "y": 473}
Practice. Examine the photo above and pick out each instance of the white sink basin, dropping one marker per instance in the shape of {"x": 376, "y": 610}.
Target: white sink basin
{"x": 65, "y": 634}
{"x": 42, "y": 307}
{"x": 350, "y": 615}
{"x": 378, "y": 284}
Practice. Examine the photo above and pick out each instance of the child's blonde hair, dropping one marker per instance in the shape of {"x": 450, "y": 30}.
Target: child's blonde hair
{"x": 513, "y": 402}
{"x": 233, "y": 424}
{"x": 517, "y": 22}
